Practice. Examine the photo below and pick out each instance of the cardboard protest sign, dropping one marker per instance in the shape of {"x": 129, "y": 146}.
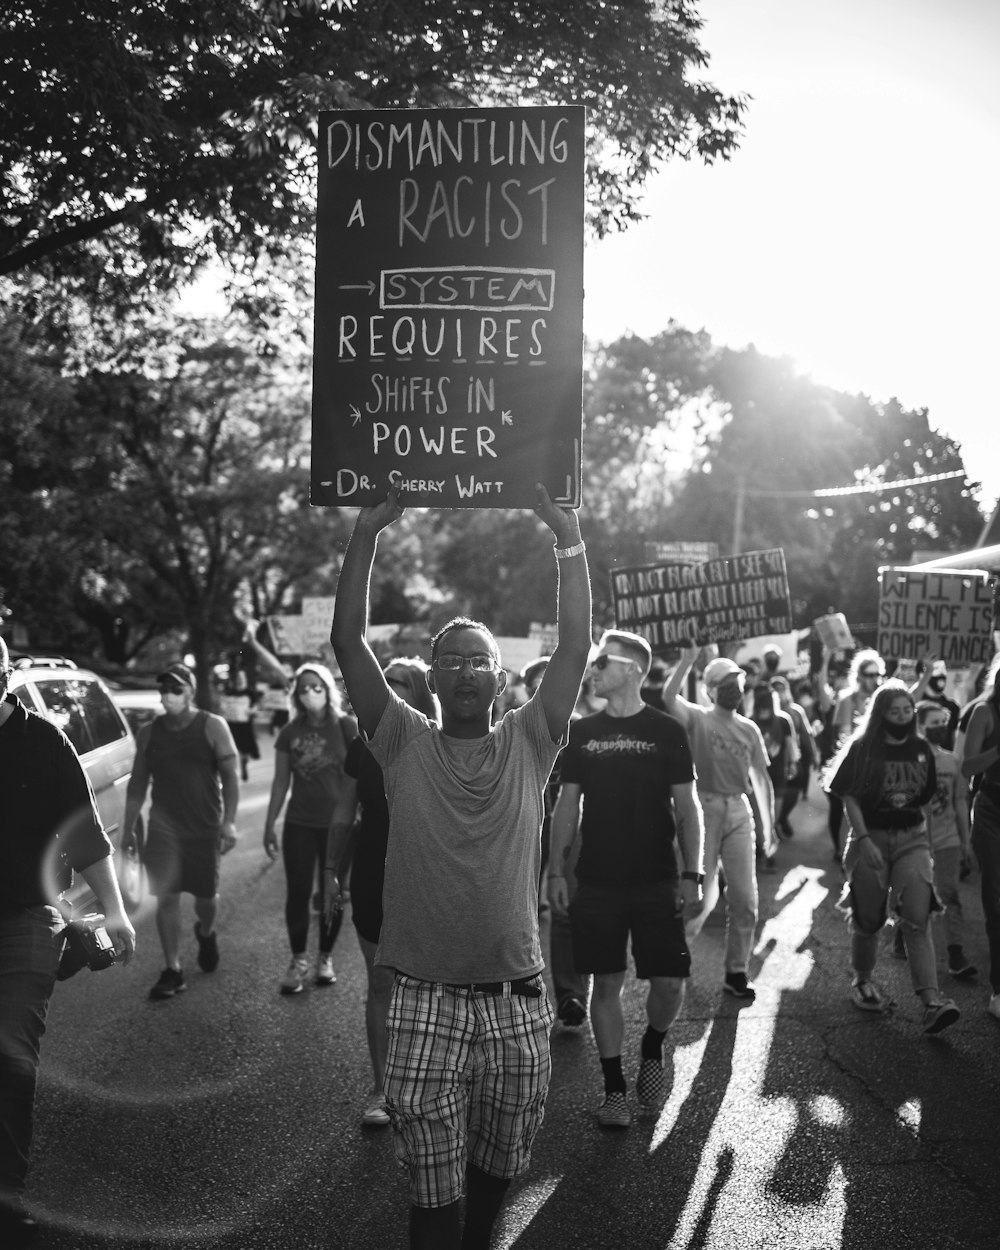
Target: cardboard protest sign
{"x": 947, "y": 613}
{"x": 723, "y": 600}
{"x": 834, "y": 632}
{"x": 449, "y": 307}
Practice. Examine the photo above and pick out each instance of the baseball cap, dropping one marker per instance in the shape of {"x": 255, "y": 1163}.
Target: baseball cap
{"x": 177, "y": 672}
{"x": 719, "y": 669}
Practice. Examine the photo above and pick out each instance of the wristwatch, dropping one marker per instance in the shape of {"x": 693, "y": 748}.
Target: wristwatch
{"x": 697, "y": 877}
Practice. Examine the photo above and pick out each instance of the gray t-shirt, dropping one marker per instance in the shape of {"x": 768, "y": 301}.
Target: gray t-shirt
{"x": 460, "y": 900}
{"x": 724, "y": 747}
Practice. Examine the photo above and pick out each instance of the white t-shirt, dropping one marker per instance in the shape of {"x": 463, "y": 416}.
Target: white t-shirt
{"x": 460, "y": 901}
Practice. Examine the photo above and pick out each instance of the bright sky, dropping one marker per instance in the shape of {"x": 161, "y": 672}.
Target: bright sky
{"x": 857, "y": 229}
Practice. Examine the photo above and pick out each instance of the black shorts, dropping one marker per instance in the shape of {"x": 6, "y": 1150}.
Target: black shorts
{"x": 603, "y": 916}
{"x": 181, "y": 865}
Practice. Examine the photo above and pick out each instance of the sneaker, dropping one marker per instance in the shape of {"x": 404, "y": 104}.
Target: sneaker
{"x": 736, "y": 983}
{"x": 572, "y": 1012}
{"x": 938, "y": 1016}
{"x": 960, "y": 968}
{"x": 993, "y": 1006}
{"x": 293, "y": 982}
{"x": 898, "y": 945}
{"x": 171, "y": 982}
{"x": 613, "y": 1111}
{"x": 865, "y": 995}
{"x": 650, "y": 1085}
{"x": 376, "y": 1115}
{"x": 325, "y": 974}
{"x": 208, "y": 950}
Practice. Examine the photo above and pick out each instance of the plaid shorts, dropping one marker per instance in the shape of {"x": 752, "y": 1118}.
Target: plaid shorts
{"x": 466, "y": 1078}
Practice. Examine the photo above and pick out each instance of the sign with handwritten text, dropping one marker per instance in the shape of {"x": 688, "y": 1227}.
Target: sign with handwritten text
{"x": 941, "y": 612}
{"x": 449, "y": 307}
{"x": 725, "y": 600}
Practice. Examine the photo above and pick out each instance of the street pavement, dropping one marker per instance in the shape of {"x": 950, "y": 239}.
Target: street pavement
{"x": 229, "y": 1118}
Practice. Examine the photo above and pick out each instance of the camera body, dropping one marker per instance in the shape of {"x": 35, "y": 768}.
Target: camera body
{"x": 88, "y": 945}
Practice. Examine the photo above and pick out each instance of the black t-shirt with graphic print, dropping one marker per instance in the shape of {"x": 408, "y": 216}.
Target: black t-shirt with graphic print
{"x": 890, "y": 785}
{"x": 626, "y": 766}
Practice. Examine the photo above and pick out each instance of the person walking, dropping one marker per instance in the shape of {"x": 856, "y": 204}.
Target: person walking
{"x": 468, "y": 1061}
{"x": 798, "y": 784}
{"x": 631, "y": 767}
{"x": 406, "y": 677}
{"x": 886, "y": 776}
{"x": 949, "y": 825}
{"x": 981, "y": 765}
{"x": 309, "y": 756}
{"x": 49, "y": 816}
{"x": 730, "y": 760}
{"x": 191, "y": 759}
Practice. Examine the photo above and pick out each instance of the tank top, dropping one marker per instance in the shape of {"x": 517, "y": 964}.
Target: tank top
{"x": 187, "y": 791}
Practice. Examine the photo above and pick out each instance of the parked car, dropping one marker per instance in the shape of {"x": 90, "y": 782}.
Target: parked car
{"x": 79, "y": 702}
{"x": 139, "y": 706}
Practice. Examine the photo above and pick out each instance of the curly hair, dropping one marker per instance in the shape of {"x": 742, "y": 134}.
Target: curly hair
{"x": 463, "y": 622}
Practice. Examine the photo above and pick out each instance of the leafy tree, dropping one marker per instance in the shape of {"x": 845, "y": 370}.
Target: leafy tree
{"x": 138, "y": 140}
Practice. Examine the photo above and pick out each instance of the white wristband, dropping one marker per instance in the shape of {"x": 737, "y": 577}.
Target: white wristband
{"x": 564, "y": 553}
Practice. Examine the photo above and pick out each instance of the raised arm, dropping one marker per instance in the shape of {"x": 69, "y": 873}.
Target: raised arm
{"x": 560, "y": 685}
{"x": 363, "y": 678}
{"x": 673, "y": 702}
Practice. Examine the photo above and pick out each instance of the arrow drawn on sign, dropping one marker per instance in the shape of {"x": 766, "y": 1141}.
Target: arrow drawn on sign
{"x": 506, "y": 417}
{"x": 358, "y": 286}
{"x": 356, "y": 414}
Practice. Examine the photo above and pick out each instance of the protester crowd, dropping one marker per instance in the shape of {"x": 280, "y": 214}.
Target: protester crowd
{"x": 615, "y": 794}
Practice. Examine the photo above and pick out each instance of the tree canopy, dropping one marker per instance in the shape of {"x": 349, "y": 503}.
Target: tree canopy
{"x": 139, "y": 140}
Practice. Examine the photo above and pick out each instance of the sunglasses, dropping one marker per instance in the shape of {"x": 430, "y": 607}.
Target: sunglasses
{"x": 172, "y": 687}
{"x": 602, "y": 661}
{"x": 871, "y": 672}
{"x": 452, "y": 663}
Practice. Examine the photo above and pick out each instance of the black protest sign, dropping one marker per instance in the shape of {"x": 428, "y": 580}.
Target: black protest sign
{"x": 725, "y": 600}
{"x": 945, "y": 613}
{"x": 449, "y": 307}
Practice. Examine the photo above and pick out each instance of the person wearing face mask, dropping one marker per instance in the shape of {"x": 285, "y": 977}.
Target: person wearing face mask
{"x": 886, "y": 775}
{"x": 191, "y": 759}
{"x": 949, "y": 812}
{"x": 730, "y": 760}
{"x": 930, "y": 688}
{"x": 309, "y": 755}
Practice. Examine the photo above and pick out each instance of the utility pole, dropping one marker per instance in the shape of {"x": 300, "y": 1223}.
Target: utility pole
{"x": 741, "y": 491}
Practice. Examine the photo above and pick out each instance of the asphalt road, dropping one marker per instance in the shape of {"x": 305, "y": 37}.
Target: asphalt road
{"x": 228, "y": 1118}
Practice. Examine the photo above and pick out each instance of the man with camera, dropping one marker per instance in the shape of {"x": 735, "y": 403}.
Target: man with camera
{"x": 49, "y": 828}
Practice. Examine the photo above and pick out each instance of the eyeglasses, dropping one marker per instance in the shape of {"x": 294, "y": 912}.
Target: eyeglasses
{"x": 452, "y": 663}
{"x": 602, "y": 661}
{"x": 871, "y": 672}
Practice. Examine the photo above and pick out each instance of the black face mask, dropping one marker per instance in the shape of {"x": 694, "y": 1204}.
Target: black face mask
{"x": 937, "y": 684}
{"x": 899, "y": 732}
{"x": 938, "y": 734}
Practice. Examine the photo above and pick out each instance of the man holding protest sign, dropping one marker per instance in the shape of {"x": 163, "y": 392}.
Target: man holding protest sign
{"x": 468, "y": 1062}
{"x": 631, "y": 766}
{"x": 730, "y": 759}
